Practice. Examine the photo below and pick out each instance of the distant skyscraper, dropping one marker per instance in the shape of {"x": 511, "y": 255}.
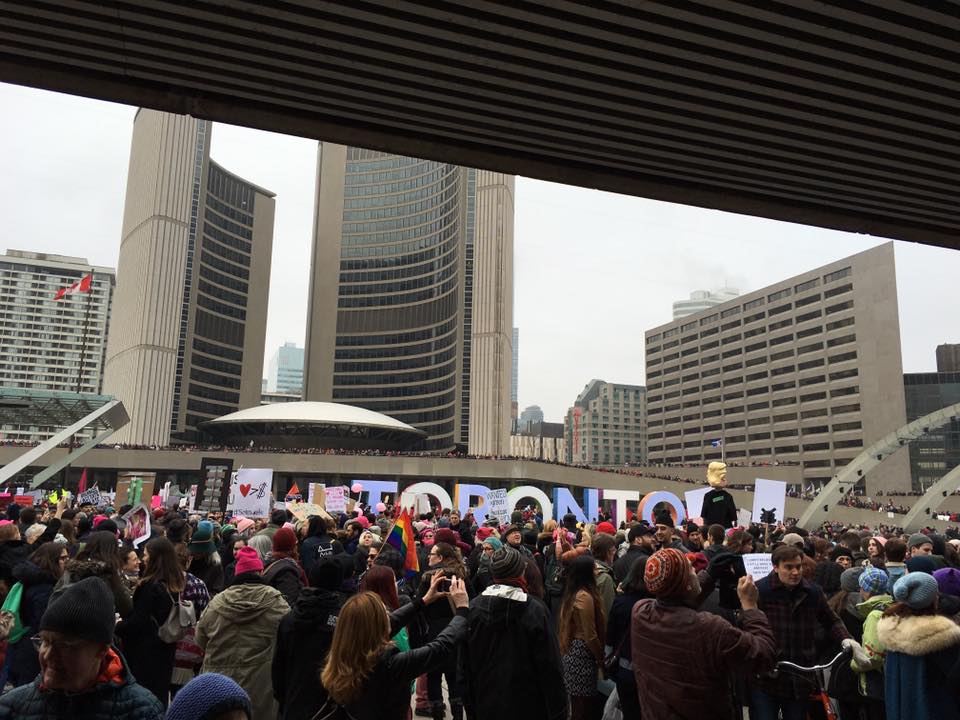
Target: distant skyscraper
{"x": 701, "y": 300}
{"x": 411, "y": 294}
{"x": 948, "y": 358}
{"x": 43, "y": 341}
{"x": 531, "y": 415}
{"x": 607, "y": 425}
{"x": 938, "y": 452}
{"x": 187, "y": 332}
{"x": 285, "y": 374}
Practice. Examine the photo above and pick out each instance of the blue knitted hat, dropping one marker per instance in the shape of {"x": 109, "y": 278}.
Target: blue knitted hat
{"x": 206, "y": 696}
{"x": 874, "y": 581}
{"x": 917, "y": 589}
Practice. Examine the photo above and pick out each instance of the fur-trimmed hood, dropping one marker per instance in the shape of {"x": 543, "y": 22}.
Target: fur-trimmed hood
{"x": 919, "y": 634}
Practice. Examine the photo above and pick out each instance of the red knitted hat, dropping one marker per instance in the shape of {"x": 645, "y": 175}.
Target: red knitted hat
{"x": 284, "y": 540}
{"x": 606, "y": 528}
{"x": 666, "y": 572}
{"x": 248, "y": 560}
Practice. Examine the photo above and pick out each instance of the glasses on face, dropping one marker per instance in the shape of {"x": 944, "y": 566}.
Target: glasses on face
{"x": 60, "y": 646}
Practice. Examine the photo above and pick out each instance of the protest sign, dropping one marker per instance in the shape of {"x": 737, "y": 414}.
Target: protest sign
{"x": 336, "y": 499}
{"x": 417, "y": 503}
{"x": 25, "y": 500}
{"x": 134, "y": 488}
{"x": 317, "y": 494}
{"x": 250, "y": 492}
{"x": 497, "y": 506}
{"x": 743, "y": 518}
{"x": 769, "y": 495}
{"x": 757, "y": 564}
{"x": 293, "y": 495}
{"x": 138, "y": 525}
{"x": 302, "y": 511}
{"x": 192, "y": 501}
{"x": 91, "y": 496}
{"x": 694, "y": 500}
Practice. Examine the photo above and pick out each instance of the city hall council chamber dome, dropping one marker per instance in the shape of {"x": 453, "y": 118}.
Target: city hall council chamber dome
{"x": 312, "y": 425}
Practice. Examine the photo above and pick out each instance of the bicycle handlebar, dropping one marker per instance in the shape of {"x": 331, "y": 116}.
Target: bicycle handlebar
{"x": 786, "y": 665}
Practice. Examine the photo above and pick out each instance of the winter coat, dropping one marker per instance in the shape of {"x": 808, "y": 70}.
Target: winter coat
{"x": 921, "y": 651}
{"x": 623, "y": 564}
{"x": 285, "y": 575}
{"x": 606, "y": 586}
{"x": 718, "y": 509}
{"x": 438, "y": 614}
{"x": 238, "y": 633}
{"x": 78, "y": 570}
{"x": 211, "y": 573}
{"x": 682, "y": 659}
{"x": 150, "y": 659}
{"x": 118, "y": 697}
{"x": 510, "y": 662}
{"x": 585, "y": 625}
{"x": 386, "y": 691}
{"x": 22, "y": 655}
{"x": 12, "y": 553}
{"x": 871, "y": 611}
{"x": 618, "y": 634}
{"x": 303, "y": 641}
{"x": 317, "y": 546}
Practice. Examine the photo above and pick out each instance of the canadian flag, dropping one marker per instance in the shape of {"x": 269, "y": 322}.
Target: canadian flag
{"x": 80, "y": 286}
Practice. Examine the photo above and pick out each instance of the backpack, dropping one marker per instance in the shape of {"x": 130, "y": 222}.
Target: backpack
{"x": 554, "y": 574}
{"x": 11, "y": 628}
{"x": 182, "y": 617}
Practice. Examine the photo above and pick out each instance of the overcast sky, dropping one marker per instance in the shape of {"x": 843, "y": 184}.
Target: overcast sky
{"x": 593, "y": 270}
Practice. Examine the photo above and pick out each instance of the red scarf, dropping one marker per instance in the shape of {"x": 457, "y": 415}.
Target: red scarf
{"x": 520, "y": 581}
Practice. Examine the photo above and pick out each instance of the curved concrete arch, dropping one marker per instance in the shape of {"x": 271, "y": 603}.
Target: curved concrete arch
{"x": 938, "y": 492}
{"x": 872, "y": 456}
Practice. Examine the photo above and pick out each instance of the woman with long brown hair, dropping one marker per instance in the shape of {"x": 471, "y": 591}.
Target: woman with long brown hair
{"x": 100, "y": 557}
{"x": 366, "y": 673}
{"x": 581, "y": 627}
{"x": 150, "y": 659}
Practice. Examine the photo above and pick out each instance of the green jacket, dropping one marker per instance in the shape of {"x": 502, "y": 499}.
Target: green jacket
{"x": 871, "y": 611}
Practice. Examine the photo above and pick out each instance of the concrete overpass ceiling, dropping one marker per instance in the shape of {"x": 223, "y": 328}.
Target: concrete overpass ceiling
{"x": 832, "y": 113}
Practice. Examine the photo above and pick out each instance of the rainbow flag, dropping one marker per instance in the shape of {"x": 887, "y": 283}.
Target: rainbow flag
{"x": 401, "y": 537}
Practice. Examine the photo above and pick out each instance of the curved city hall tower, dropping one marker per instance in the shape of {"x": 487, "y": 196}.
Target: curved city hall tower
{"x": 412, "y": 294}
{"x": 189, "y": 313}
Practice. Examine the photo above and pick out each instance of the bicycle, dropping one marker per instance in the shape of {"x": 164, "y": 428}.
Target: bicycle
{"x": 830, "y": 708}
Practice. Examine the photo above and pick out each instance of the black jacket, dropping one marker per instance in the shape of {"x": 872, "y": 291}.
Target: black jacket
{"x": 622, "y": 566}
{"x": 303, "y": 641}
{"x": 618, "y": 633}
{"x": 12, "y": 553}
{"x": 37, "y": 586}
{"x": 150, "y": 659}
{"x": 285, "y": 575}
{"x": 719, "y": 509}
{"x": 510, "y": 663}
{"x": 386, "y": 692}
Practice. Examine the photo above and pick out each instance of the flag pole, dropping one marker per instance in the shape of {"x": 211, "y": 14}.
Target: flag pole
{"x": 83, "y": 339}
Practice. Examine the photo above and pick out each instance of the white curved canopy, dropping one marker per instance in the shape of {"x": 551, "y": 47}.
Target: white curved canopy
{"x": 320, "y": 413}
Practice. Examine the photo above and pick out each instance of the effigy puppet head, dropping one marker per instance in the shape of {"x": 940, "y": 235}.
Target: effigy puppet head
{"x": 717, "y": 474}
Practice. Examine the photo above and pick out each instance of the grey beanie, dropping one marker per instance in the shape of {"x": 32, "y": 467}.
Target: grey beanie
{"x": 850, "y": 579}
{"x": 918, "y": 539}
{"x": 507, "y": 563}
{"x": 918, "y": 590}
{"x": 85, "y": 610}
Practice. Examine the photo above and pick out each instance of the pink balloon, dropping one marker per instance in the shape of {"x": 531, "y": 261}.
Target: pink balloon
{"x": 356, "y": 488}
{"x": 359, "y": 511}
{"x": 381, "y": 507}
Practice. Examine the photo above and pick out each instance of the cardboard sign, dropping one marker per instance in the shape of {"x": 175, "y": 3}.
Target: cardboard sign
{"x": 91, "y": 496}
{"x": 250, "y": 492}
{"x": 336, "y": 499}
{"x": 134, "y": 488}
{"x": 757, "y": 564}
{"x": 138, "y": 525}
{"x": 497, "y": 506}
{"x": 769, "y": 495}
{"x": 694, "y": 500}
{"x": 302, "y": 511}
{"x": 317, "y": 494}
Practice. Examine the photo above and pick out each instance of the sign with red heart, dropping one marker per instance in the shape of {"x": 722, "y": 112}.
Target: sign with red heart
{"x": 251, "y": 492}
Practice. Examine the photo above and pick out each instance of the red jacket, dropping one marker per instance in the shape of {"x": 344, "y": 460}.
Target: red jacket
{"x": 683, "y": 659}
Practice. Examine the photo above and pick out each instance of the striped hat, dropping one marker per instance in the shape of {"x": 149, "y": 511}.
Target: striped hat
{"x": 666, "y": 572}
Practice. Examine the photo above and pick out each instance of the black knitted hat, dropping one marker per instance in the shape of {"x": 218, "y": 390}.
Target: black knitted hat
{"x": 84, "y": 610}
{"x": 506, "y": 563}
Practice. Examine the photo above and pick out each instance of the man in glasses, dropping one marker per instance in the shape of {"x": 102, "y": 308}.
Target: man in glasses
{"x": 81, "y": 674}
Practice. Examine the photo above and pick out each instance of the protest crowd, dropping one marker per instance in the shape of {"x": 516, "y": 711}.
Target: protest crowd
{"x": 383, "y": 614}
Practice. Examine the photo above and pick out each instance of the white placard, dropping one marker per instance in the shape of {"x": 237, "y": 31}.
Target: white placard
{"x": 336, "y": 499}
{"x": 250, "y": 491}
{"x": 497, "y": 506}
{"x": 694, "y": 500}
{"x": 91, "y": 496}
{"x": 757, "y": 564}
{"x": 138, "y": 524}
{"x": 769, "y": 495}
{"x": 743, "y": 518}
{"x": 418, "y": 503}
{"x": 192, "y": 503}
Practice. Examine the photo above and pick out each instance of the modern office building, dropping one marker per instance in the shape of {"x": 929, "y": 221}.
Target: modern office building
{"x": 411, "y": 291}
{"x": 285, "y": 370}
{"x": 541, "y": 441}
{"x": 701, "y": 300}
{"x": 938, "y": 452}
{"x": 515, "y": 381}
{"x": 530, "y": 415}
{"x": 607, "y": 425}
{"x": 805, "y": 371}
{"x": 187, "y": 331}
{"x": 47, "y": 343}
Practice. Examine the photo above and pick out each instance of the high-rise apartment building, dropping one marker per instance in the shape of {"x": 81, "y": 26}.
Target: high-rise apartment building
{"x": 285, "y": 371}
{"x": 807, "y": 371}
{"x": 187, "y": 332}
{"x": 48, "y": 344}
{"x": 701, "y": 300}
{"x": 607, "y": 425}
{"x": 938, "y": 452}
{"x": 530, "y": 416}
{"x": 411, "y": 294}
